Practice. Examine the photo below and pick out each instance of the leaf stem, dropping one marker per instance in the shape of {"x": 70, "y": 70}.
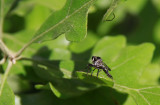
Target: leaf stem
{"x": 5, "y": 76}
{"x": 1, "y": 18}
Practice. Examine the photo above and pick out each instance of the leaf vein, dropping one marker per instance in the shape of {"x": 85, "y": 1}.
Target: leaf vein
{"x": 144, "y": 98}
{"x": 150, "y": 93}
{"x": 69, "y": 7}
{"x": 123, "y": 62}
{"x": 149, "y": 87}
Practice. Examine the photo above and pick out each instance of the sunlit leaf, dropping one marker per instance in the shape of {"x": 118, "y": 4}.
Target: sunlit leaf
{"x": 7, "y": 96}
{"x": 150, "y": 75}
{"x": 53, "y": 4}
{"x": 96, "y": 80}
{"x": 109, "y": 47}
{"x": 47, "y": 5}
{"x": 57, "y": 69}
{"x": 36, "y": 17}
{"x": 71, "y": 20}
{"x": 7, "y": 6}
{"x": 128, "y": 66}
{"x": 86, "y": 44}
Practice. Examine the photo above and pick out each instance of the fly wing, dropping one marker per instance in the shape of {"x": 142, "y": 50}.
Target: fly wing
{"x": 106, "y": 66}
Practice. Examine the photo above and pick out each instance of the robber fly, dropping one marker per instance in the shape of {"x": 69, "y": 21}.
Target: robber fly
{"x": 97, "y": 63}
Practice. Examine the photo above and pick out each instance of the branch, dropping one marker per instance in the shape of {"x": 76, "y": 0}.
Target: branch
{"x": 3, "y": 60}
{"x": 5, "y": 76}
{"x": 4, "y": 49}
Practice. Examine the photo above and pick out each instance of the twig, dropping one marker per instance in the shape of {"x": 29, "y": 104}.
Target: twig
{"x": 4, "y": 48}
{"x": 5, "y": 76}
{"x": 2, "y": 61}
{"x": 1, "y": 18}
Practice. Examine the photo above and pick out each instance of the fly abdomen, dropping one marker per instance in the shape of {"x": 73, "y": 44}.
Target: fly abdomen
{"x": 109, "y": 69}
{"x": 109, "y": 75}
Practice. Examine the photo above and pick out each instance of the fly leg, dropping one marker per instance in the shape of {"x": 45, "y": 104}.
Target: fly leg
{"x": 88, "y": 66}
{"x": 98, "y": 72}
{"x": 93, "y": 71}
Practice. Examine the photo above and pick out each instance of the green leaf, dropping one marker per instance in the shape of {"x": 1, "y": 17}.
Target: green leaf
{"x": 7, "y": 6}
{"x": 148, "y": 95}
{"x": 144, "y": 96}
{"x": 102, "y": 96}
{"x": 110, "y": 10}
{"x": 38, "y": 98}
{"x": 84, "y": 45}
{"x": 157, "y": 32}
{"x": 53, "y": 4}
{"x": 131, "y": 62}
{"x": 109, "y": 47}
{"x": 18, "y": 84}
{"x": 32, "y": 22}
{"x": 56, "y": 49}
{"x": 65, "y": 88}
{"x": 71, "y": 20}
{"x": 49, "y": 70}
{"x": 47, "y": 5}
{"x": 105, "y": 27}
{"x": 19, "y": 41}
{"x": 156, "y": 4}
{"x": 135, "y": 6}
{"x": 151, "y": 74}
{"x": 7, "y": 96}
{"x": 96, "y": 80}
{"x": 130, "y": 101}
{"x": 102, "y": 4}
{"x": 127, "y": 64}
{"x": 59, "y": 74}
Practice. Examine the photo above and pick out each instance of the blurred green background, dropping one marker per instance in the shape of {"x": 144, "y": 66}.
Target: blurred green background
{"x": 138, "y": 20}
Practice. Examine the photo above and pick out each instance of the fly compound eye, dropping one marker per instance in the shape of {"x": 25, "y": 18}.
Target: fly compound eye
{"x": 98, "y": 57}
{"x": 94, "y": 58}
